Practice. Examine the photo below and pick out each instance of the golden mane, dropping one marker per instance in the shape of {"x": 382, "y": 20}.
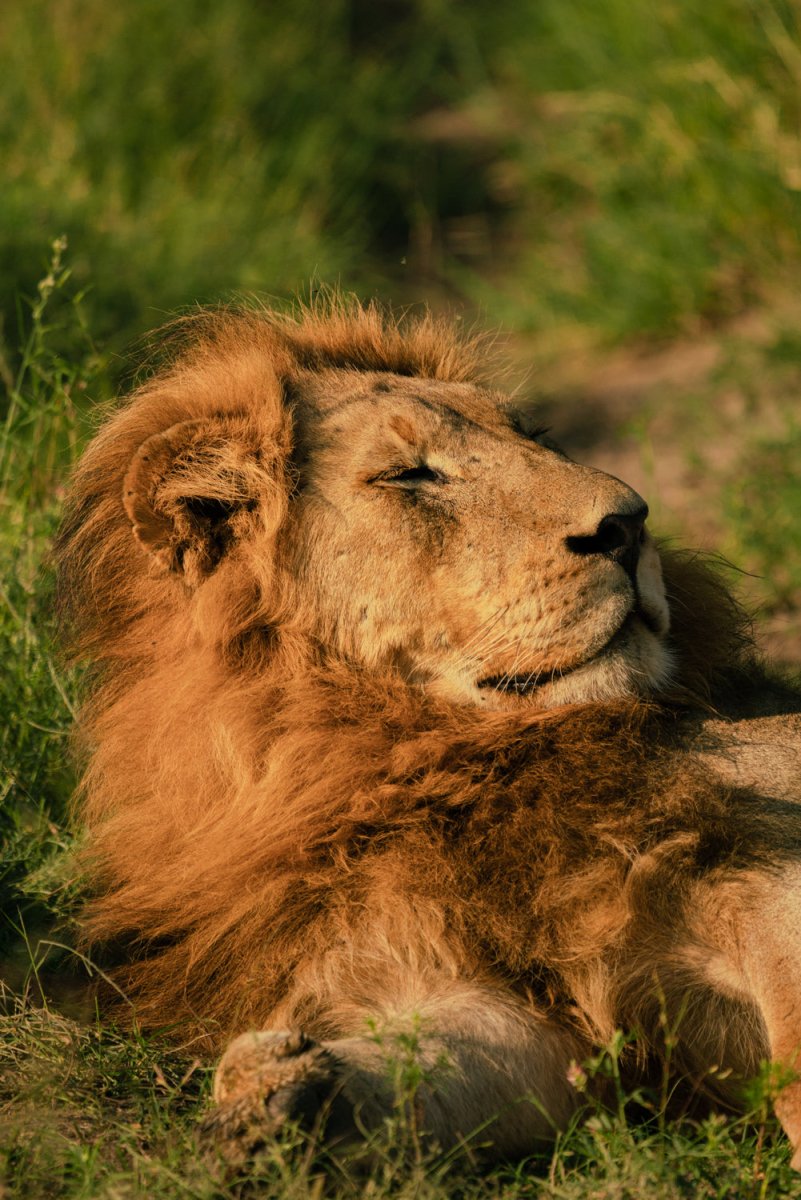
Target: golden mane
{"x": 248, "y": 794}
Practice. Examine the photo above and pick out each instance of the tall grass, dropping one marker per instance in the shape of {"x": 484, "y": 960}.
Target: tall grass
{"x": 196, "y": 149}
{"x": 45, "y": 397}
{"x": 590, "y": 169}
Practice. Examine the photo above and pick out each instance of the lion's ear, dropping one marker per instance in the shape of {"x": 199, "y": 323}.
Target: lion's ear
{"x": 191, "y": 492}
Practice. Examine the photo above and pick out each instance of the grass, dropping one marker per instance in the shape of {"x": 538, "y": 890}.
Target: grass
{"x": 658, "y": 161}
{"x": 39, "y": 440}
{"x": 88, "y": 1112}
{"x": 585, "y": 169}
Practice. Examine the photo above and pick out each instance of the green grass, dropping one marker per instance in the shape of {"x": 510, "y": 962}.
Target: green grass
{"x": 658, "y": 160}
{"x": 764, "y": 506}
{"x": 87, "y": 1112}
{"x": 585, "y": 169}
{"x": 41, "y": 433}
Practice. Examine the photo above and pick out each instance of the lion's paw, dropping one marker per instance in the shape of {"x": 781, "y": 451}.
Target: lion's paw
{"x": 267, "y": 1079}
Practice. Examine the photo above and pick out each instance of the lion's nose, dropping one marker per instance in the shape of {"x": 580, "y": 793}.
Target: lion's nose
{"x": 618, "y": 536}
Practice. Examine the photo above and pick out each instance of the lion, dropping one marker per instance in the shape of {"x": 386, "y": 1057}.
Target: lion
{"x": 401, "y": 720}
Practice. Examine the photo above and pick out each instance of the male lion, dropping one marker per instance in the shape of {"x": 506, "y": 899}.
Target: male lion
{"x": 395, "y": 720}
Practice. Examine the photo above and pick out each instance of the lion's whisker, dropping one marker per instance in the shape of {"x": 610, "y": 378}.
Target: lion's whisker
{"x": 485, "y": 627}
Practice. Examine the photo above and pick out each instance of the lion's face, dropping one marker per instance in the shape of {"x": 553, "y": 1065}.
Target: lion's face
{"x": 402, "y": 522}
{"x": 430, "y": 534}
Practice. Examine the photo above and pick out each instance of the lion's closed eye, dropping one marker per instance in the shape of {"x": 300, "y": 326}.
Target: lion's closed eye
{"x": 408, "y": 477}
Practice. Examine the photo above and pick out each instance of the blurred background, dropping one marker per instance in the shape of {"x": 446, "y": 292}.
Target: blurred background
{"x": 615, "y": 183}
{"x": 591, "y": 169}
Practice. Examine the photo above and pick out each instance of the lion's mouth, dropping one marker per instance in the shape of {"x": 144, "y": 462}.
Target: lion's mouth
{"x": 525, "y": 683}
{"x": 521, "y": 685}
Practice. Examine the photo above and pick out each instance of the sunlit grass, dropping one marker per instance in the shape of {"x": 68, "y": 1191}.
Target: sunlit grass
{"x": 582, "y": 169}
{"x": 87, "y": 1111}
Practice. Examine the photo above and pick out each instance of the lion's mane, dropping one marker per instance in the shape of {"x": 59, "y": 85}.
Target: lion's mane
{"x": 253, "y": 805}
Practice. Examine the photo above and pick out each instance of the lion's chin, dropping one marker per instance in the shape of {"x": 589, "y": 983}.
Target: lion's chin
{"x": 635, "y": 662}
{"x": 640, "y": 667}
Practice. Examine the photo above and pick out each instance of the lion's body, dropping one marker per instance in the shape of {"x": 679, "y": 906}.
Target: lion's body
{"x": 340, "y": 772}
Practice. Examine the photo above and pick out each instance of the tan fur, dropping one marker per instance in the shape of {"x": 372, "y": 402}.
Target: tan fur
{"x": 394, "y": 718}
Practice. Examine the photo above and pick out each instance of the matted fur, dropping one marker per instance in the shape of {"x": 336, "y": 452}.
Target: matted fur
{"x": 272, "y": 830}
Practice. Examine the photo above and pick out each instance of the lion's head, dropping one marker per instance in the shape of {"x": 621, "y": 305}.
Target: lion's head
{"x": 388, "y": 507}
{"x": 431, "y": 532}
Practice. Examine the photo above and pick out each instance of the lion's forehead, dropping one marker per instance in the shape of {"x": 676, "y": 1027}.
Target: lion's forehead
{"x": 329, "y": 396}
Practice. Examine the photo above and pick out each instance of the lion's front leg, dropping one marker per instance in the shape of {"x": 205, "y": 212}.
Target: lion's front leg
{"x": 485, "y": 1070}
{"x": 767, "y": 947}
{"x": 745, "y": 945}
